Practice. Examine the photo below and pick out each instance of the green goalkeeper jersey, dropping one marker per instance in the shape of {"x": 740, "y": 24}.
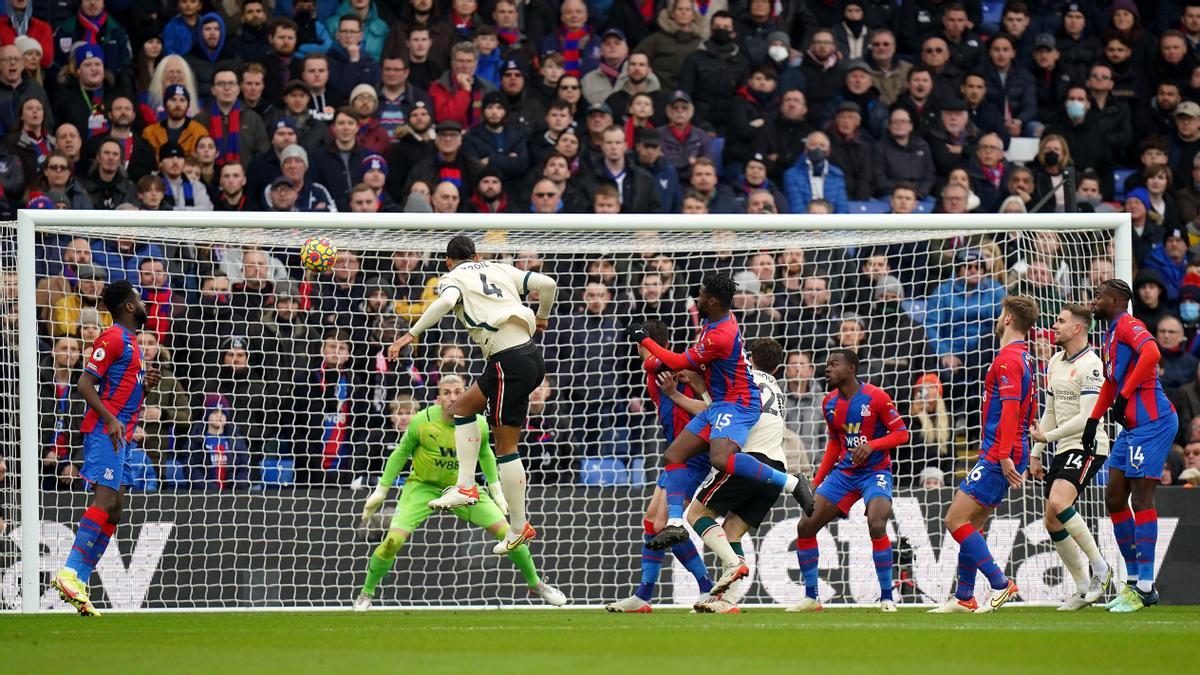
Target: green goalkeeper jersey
{"x": 429, "y": 441}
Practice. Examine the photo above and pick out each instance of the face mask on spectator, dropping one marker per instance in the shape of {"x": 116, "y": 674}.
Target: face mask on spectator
{"x": 816, "y": 155}
{"x": 720, "y": 36}
{"x": 1189, "y": 311}
{"x": 1076, "y": 109}
{"x": 778, "y": 52}
{"x": 1094, "y": 200}
{"x": 1051, "y": 158}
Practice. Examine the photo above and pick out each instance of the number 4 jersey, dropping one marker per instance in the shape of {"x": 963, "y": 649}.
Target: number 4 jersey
{"x": 488, "y": 302}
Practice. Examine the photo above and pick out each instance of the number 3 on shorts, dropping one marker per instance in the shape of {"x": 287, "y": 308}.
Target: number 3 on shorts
{"x": 881, "y": 480}
{"x": 722, "y": 421}
{"x": 976, "y": 473}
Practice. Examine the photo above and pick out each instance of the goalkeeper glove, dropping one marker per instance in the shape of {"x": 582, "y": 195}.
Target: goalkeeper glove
{"x": 497, "y": 495}
{"x": 1118, "y": 410}
{"x": 1089, "y": 435}
{"x": 635, "y": 332}
{"x": 374, "y": 502}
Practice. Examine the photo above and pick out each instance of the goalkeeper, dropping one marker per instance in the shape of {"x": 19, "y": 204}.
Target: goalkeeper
{"x": 429, "y": 441}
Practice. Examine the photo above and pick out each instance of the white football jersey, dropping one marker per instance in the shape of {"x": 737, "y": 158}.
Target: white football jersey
{"x": 1066, "y": 381}
{"x": 766, "y": 437}
{"x": 490, "y": 304}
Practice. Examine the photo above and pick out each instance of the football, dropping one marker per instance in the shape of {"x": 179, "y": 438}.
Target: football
{"x": 318, "y": 254}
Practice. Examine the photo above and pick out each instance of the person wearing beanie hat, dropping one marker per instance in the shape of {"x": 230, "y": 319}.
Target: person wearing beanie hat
{"x": 417, "y": 203}
{"x": 33, "y": 53}
{"x": 86, "y": 79}
{"x": 184, "y": 193}
{"x": 489, "y": 195}
{"x": 311, "y": 196}
{"x": 218, "y": 457}
{"x": 1170, "y": 260}
{"x": 177, "y": 126}
{"x": 496, "y": 144}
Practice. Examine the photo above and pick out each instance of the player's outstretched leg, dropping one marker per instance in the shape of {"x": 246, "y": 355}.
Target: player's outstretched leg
{"x": 464, "y": 492}
{"x": 724, "y": 453}
{"x": 380, "y": 563}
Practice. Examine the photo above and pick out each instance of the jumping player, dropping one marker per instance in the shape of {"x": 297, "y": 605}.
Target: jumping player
{"x": 1134, "y": 395}
{"x": 743, "y": 502}
{"x": 864, "y": 427}
{"x": 486, "y": 298}
{"x": 723, "y": 426}
{"x": 1008, "y": 411}
{"x": 1073, "y": 380}
{"x": 670, "y": 399}
{"x": 113, "y": 384}
{"x": 428, "y": 438}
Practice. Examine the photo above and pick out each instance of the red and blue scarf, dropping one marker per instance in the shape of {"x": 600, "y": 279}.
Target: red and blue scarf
{"x": 41, "y": 147}
{"x": 92, "y": 27}
{"x": 228, "y": 142}
{"x": 465, "y": 27}
{"x": 508, "y": 36}
{"x": 572, "y": 44}
{"x": 452, "y": 174}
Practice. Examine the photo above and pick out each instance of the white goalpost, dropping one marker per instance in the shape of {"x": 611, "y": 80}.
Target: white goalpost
{"x": 257, "y": 506}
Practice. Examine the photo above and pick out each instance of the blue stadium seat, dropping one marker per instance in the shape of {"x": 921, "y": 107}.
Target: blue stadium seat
{"x": 718, "y": 145}
{"x": 993, "y": 12}
{"x": 603, "y": 471}
{"x": 926, "y": 205}
{"x": 278, "y": 472}
{"x": 1119, "y": 176}
{"x": 871, "y": 206}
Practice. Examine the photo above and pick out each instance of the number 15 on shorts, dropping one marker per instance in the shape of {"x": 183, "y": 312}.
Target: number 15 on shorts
{"x": 722, "y": 421}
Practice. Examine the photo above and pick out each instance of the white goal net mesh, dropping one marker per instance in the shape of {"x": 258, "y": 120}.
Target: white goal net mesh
{"x": 262, "y": 510}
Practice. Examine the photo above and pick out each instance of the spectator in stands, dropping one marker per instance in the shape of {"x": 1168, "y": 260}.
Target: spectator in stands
{"x": 601, "y": 82}
{"x": 1178, "y": 366}
{"x": 889, "y": 72}
{"x": 1154, "y": 151}
{"x": 635, "y": 185}
{"x": 218, "y": 456}
{"x": 525, "y": 111}
{"x": 823, "y": 70}
{"x": 1170, "y": 260}
{"x": 349, "y": 65}
{"x": 322, "y": 100}
{"x": 679, "y": 34}
{"x": 397, "y": 95}
{"x": 1011, "y": 87}
{"x": 166, "y": 405}
{"x": 446, "y": 198}
{"x": 336, "y": 165}
{"x": 802, "y": 406}
{"x": 60, "y": 414}
{"x": 989, "y": 172}
{"x": 756, "y": 315}
{"x": 574, "y": 39}
{"x": 718, "y": 198}
{"x": 489, "y": 195}
{"x": 639, "y": 79}
{"x": 108, "y": 186}
{"x": 183, "y": 193}
{"x": 960, "y": 313}
{"x": 919, "y": 100}
{"x": 232, "y": 195}
{"x": 573, "y": 200}
{"x": 588, "y": 352}
{"x": 20, "y": 22}
{"x": 752, "y": 106}
{"x": 851, "y": 151}
{"x": 951, "y": 139}
{"x": 89, "y": 284}
{"x": 238, "y": 140}
{"x": 297, "y": 109}
{"x": 1185, "y": 143}
{"x": 1112, "y": 114}
{"x": 935, "y": 55}
{"x": 682, "y": 142}
{"x": 1083, "y": 138}
{"x": 1051, "y": 76}
{"x": 496, "y": 144}
{"x": 902, "y": 157}
{"x": 156, "y": 294}
{"x": 648, "y": 156}
{"x": 983, "y": 116}
{"x": 546, "y": 196}
{"x": 84, "y": 93}
{"x": 932, "y": 442}
{"x": 93, "y": 26}
{"x": 15, "y": 86}
{"x": 1087, "y": 194}
{"x": 754, "y": 179}
{"x": 1159, "y": 185}
{"x": 178, "y": 127}
{"x": 449, "y": 163}
{"x": 712, "y": 73}
{"x": 29, "y": 139}
{"x": 815, "y": 177}
{"x": 56, "y": 177}
{"x": 1155, "y": 116}
{"x": 1080, "y": 47}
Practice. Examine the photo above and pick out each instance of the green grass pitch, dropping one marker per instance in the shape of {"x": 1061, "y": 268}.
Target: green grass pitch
{"x": 573, "y": 642}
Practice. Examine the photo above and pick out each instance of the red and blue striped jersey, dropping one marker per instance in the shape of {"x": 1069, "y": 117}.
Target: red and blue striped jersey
{"x": 1123, "y": 343}
{"x": 865, "y": 416}
{"x": 721, "y": 356}
{"x": 1010, "y": 378}
{"x": 117, "y": 361}
{"x": 671, "y": 417}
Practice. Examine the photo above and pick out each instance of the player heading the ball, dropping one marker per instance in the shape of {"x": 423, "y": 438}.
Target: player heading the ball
{"x": 1134, "y": 395}
{"x": 723, "y": 426}
{"x": 487, "y": 299}
{"x": 1008, "y": 410}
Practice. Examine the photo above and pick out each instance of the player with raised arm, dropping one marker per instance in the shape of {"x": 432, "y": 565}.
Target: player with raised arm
{"x": 743, "y": 502}
{"x": 113, "y": 384}
{"x": 1008, "y": 411}
{"x": 723, "y": 426}
{"x": 670, "y": 399}
{"x": 864, "y": 427}
{"x": 429, "y": 442}
{"x": 1134, "y": 395}
{"x": 486, "y": 298}
{"x": 1073, "y": 380}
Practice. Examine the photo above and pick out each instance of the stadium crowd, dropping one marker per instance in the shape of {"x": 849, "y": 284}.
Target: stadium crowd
{"x": 605, "y": 106}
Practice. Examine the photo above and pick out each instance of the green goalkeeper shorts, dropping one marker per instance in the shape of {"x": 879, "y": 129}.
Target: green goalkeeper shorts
{"x": 413, "y": 508}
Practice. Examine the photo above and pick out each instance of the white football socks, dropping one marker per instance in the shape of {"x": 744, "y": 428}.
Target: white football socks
{"x": 512, "y": 480}
{"x": 466, "y": 443}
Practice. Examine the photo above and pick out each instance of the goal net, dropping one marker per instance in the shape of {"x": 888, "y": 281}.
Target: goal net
{"x": 277, "y": 407}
